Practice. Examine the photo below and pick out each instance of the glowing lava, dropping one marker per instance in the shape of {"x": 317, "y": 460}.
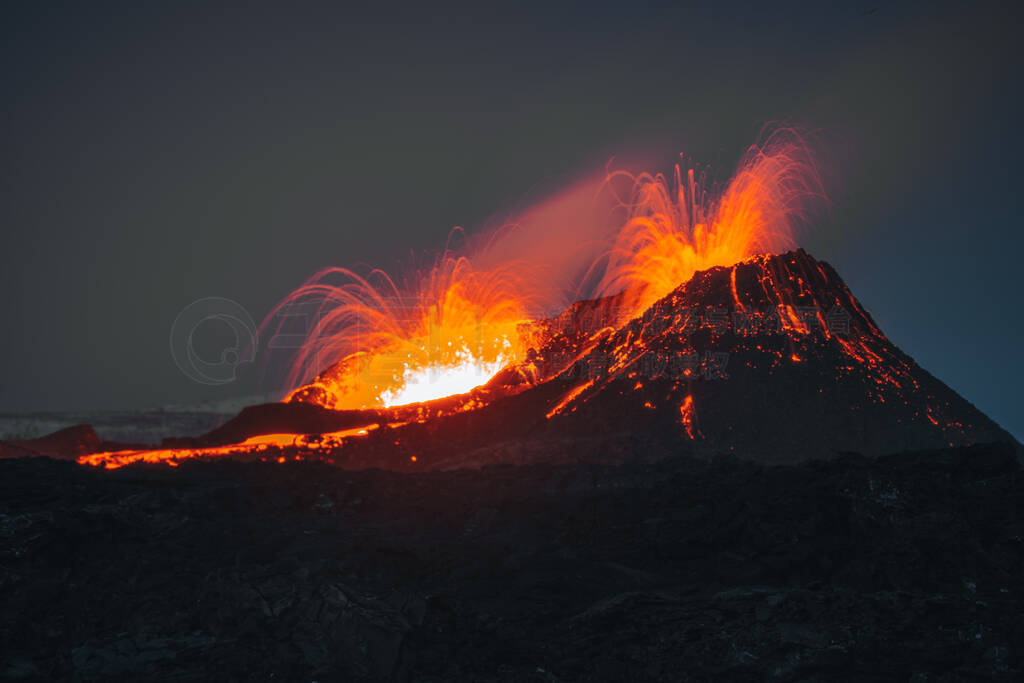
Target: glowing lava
{"x": 431, "y": 382}
{"x": 686, "y": 413}
{"x": 676, "y": 229}
{"x": 450, "y": 330}
{"x": 265, "y": 444}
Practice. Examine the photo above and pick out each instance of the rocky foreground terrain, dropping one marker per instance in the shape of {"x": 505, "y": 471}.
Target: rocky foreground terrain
{"x": 908, "y": 567}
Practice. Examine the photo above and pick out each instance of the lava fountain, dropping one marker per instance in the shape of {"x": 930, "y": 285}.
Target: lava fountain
{"x": 676, "y": 228}
{"x": 448, "y": 330}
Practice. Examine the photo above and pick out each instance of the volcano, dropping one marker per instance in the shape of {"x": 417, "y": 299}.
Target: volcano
{"x": 745, "y": 480}
{"x": 772, "y": 358}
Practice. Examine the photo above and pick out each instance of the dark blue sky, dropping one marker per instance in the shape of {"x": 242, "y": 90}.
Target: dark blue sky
{"x": 152, "y": 155}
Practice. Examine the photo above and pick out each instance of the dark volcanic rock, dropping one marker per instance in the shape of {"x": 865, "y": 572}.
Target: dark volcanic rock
{"x": 904, "y": 567}
{"x": 274, "y": 418}
{"x": 772, "y": 358}
{"x": 64, "y": 443}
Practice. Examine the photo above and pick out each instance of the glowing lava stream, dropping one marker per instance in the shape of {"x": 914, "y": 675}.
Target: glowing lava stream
{"x": 256, "y": 444}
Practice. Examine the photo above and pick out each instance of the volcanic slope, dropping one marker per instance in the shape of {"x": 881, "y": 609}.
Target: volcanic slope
{"x": 772, "y": 358}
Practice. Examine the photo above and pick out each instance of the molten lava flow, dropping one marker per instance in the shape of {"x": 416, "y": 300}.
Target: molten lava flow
{"x": 686, "y": 413}
{"x": 677, "y": 229}
{"x": 568, "y": 398}
{"x": 264, "y": 443}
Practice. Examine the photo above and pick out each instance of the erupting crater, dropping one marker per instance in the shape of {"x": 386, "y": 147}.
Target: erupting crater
{"x": 456, "y": 326}
{"x": 700, "y": 331}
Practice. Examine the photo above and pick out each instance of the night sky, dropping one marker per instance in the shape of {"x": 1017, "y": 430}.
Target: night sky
{"x": 154, "y": 154}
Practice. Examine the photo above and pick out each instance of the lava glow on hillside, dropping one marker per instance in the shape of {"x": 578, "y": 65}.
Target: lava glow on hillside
{"x": 455, "y": 326}
{"x": 380, "y": 343}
